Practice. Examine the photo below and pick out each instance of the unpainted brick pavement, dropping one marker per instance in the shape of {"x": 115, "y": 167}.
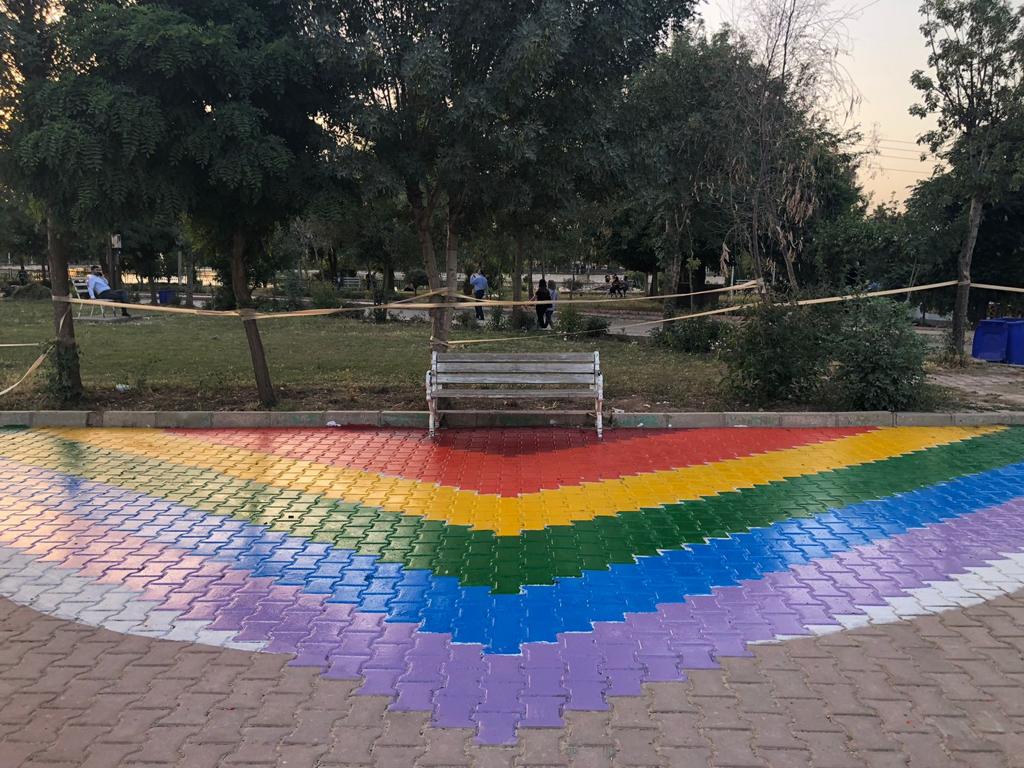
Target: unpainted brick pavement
{"x": 943, "y": 690}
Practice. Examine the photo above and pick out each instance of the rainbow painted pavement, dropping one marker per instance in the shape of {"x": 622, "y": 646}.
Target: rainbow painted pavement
{"x": 499, "y": 578}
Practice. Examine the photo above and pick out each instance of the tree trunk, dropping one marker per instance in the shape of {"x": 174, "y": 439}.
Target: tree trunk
{"x": 332, "y": 265}
{"x": 790, "y": 258}
{"x": 517, "y": 277}
{"x": 389, "y": 274}
{"x": 674, "y": 269}
{"x": 451, "y": 264}
{"x": 652, "y": 289}
{"x": 69, "y": 373}
{"x": 422, "y": 216}
{"x": 963, "y": 289}
{"x": 152, "y": 289}
{"x": 243, "y": 299}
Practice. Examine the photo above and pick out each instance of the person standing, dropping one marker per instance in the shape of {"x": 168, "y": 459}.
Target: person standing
{"x": 99, "y": 288}
{"x": 543, "y": 296}
{"x": 479, "y": 283}
{"x": 553, "y": 290}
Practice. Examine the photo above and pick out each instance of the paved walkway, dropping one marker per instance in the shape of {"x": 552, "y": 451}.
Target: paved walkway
{"x": 522, "y": 597}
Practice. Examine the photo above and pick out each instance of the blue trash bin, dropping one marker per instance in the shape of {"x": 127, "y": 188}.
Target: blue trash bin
{"x": 991, "y": 339}
{"x": 1015, "y": 342}
{"x": 166, "y": 296}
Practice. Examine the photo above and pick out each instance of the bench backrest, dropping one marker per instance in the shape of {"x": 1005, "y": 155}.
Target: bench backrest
{"x": 509, "y": 368}
{"x": 80, "y": 285}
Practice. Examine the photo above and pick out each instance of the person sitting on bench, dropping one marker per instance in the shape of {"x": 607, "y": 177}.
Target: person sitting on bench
{"x": 99, "y": 288}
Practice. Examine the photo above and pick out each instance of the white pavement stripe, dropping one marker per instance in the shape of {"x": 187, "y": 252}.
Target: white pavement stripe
{"x": 65, "y": 594}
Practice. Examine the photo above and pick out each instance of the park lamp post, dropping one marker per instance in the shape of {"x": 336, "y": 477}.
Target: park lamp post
{"x": 115, "y": 261}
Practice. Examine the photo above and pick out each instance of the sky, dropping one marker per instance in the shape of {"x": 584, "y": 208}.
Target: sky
{"x": 886, "y": 47}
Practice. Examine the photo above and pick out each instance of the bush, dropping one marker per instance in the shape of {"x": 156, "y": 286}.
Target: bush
{"x": 779, "y": 353}
{"x": 595, "y": 326}
{"x": 863, "y": 356}
{"x": 224, "y": 299}
{"x": 879, "y": 359}
{"x": 696, "y": 337}
{"x": 417, "y": 278}
{"x": 31, "y": 292}
{"x": 496, "y": 319}
{"x": 569, "y": 320}
{"x": 522, "y": 320}
{"x": 324, "y": 296}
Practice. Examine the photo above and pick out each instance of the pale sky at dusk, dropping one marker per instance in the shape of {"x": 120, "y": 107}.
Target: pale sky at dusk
{"x": 887, "y": 48}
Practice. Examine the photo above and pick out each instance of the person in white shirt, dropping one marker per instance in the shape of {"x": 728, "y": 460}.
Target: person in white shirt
{"x": 554, "y": 301}
{"x": 99, "y": 288}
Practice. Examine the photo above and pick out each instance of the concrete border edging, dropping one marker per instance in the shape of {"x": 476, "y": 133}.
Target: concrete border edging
{"x": 418, "y": 419}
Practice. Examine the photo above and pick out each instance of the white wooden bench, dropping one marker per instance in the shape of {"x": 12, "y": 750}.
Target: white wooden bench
{"x": 80, "y": 287}
{"x": 512, "y": 376}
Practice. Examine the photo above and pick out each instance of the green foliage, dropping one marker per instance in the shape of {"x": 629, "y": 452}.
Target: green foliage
{"x": 522, "y": 320}
{"x": 324, "y": 295}
{"x": 224, "y": 299}
{"x": 496, "y": 319}
{"x": 696, "y": 337}
{"x": 864, "y": 356}
{"x": 569, "y": 320}
{"x": 879, "y": 359}
{"x": 595, "y": 327}
{"x": 31, "y": 292}
{"x": 778, "y": 354}
{"x": 417, "y": 278}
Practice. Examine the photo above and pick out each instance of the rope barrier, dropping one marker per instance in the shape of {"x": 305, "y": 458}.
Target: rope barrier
{"x": 401, "y": 304}
{"x": 250, "y": 314}
{"x": 737, "y": 308}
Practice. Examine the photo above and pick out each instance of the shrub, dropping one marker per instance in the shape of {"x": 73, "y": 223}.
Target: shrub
{"x": 31, "y": 292}
{"x": 569, "y": 320}
{"x": 879, "y": 359}
{"x": 522, "y": 320}
{"x": 697, "y": 337}
{"x": 417, "y": 278}
{"x": 778, "y": 353}
{"x": 595, "y": 326}
{"x": 496, "y": 319}
{"x": 324, "y": 295}
{"x": 224, "y": 299}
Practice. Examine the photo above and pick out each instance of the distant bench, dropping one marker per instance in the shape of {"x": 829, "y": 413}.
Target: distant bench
{"x": 511, "y": 376}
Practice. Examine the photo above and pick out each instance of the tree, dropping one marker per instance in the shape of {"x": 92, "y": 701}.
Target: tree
{"x": 232, "y": 95}
{"x": 784, "y": 122}
{"x": 454, "y": 93}
{"x": 975, "y": 87}
{"x": 28, "y": 63}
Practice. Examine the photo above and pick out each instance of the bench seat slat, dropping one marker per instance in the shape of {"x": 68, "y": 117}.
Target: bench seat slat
{"x": 584, "y": 368}
{"x": 512, "y": 394}
{"x": 515, "y": 378}
{"x": 492, "y": 357}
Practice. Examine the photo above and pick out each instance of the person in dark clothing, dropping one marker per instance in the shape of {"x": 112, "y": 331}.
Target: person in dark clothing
{"x": 543, "y": 295}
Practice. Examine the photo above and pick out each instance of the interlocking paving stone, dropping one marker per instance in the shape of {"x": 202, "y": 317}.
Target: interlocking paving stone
{"x": 437, "y": 576}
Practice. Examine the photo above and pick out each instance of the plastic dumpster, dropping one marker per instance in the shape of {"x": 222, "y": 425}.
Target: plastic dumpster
{"x": 1015, "y": 342}
{"x": 991, "y": 339}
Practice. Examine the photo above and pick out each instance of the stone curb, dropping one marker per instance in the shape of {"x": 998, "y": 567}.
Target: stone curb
{"x": 418, "y": 419}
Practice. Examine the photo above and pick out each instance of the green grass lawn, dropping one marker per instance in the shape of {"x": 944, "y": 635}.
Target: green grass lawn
{"x": 192, "y": 363}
